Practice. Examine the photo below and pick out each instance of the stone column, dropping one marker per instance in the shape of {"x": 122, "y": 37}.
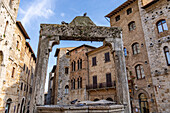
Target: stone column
{"x": 122, "y": 89}
{"x": 44, "y": 48}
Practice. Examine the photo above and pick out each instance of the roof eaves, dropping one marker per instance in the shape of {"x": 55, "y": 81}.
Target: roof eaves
{"x": 82, "y": 46}
{"x": 19, "y": 24}
{"x": 121, "y": 7}
{"x": 31, "y": 50}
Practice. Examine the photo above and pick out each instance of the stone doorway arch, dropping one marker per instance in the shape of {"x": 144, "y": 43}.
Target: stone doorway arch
{"x": 80, "y": 29}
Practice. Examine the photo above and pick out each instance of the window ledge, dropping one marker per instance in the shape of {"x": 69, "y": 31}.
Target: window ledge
{"x": 107, "y": 61}
{"x": 131, "y": 31}
{"x": 141, "y": 79}
{"x": 163, "y": 34}
{"x": 137, "y": 54}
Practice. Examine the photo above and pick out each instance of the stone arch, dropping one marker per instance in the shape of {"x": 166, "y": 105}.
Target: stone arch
{"x": 141, "y": 91}
{"x": 80, "y": 29}
{"x": 8, "y": 105}
{"x": 143, "y": 103}
{"x": 132, "y": 25}
{"x": 138, "y": 62}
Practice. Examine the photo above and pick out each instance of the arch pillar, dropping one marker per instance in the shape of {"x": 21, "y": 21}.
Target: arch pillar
{"x": 122, "y": 89}
{"x": 44, "y": 48}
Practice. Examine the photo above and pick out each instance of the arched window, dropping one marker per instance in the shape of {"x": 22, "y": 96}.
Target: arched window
{"x": 17, "y": 45}
{"x": 79, "y": 81}
{"x": 80, "y": 63}
{"x": 66, "y": 89}
{"x": 167, "y": 55}
{"x": 22, "y": 104}
{"x": 5, "y": 27}
{"x": 135, "y": 48}
{"x": 74, "y": 65}
{"x": 117, "y": 18}
{"x": 8, "y": 104}
{"x": 109, "y": 99}
{"x": 10, "y": 3}
{"x": 73, "y": 84}
{"x": 131, "y": 26}
{"x": 18, "y": 108}
{"x": 162, "y": 26}
{"x": 13, "y": 72}
{"x": 1, "y": 58}
{"x": 28, "y": 106}
{"x": 66, "y": 70}
{"x": 128, "y": 74}
{"x": 139, "y": 71}
{"x": 129, "y": 11}
{"x": 125, "y": 51}
{"x": 143, "y": 103}
{"x": 21, "y": 85}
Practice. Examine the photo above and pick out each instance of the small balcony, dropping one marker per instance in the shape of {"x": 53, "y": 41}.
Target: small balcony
{"x": 100, "y": 86}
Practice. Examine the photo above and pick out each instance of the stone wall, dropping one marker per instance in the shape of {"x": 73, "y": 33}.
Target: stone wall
{"x": 15, "y": 52}
{"x": 155, "y": 42}
{"x": 17, "y": 85}
{"x": 62, "y": 78}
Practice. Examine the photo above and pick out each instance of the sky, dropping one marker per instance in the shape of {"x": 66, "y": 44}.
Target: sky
{"x": 32, "y": 13}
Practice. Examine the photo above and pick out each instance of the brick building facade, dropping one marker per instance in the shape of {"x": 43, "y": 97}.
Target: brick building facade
{"x": 101, "y": 75}
{"x": 145, "y": 27}
{"x": 79, "y": 72}
{"x": 73, "y": 76}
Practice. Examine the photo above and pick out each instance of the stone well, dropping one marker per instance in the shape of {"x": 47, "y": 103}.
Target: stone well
{"x": 81, "y": 109}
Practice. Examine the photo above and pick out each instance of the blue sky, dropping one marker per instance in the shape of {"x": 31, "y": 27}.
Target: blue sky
{"x": 34, "y": 12}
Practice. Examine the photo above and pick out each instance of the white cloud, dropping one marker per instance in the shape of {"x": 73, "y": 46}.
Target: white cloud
{"x": 39, "y": 8}
{"x": 62, "y": 14}
{"x": 22, "y": 11}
